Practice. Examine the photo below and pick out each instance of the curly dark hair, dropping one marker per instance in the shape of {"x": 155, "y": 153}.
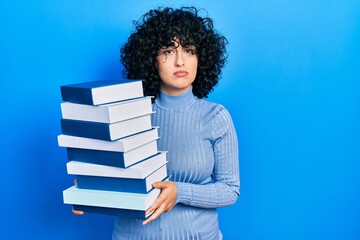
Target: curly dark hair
{"x": 157, "y": 29}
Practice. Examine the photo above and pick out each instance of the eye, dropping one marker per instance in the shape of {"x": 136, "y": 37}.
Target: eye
{"x": 167, "y": 51}
{"x": 190, "y": 50}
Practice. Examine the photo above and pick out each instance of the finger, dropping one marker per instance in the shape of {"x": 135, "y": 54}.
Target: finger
{"x": 155, "y": 215}
{"x": 155, "y": 205}
{"x": 77, "y": 213}
{"x": 75, "y": 181}
{"x": 158, "y": 185}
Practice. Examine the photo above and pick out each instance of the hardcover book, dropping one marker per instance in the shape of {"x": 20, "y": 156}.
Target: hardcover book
{"x": 110, "y": 199}
{"x": 121, "y": 145}
{"x": 137, "y": 171}
{"x": 116, "y": 159}
{"x": 102, "y": 92}
{"x": 105, "y": 131}
{"x": 121, "y": 184}
{"x": 107, "y": 113}
{"x": 113, "y": 211}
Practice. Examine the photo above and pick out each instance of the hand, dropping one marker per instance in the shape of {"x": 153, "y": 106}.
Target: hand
{"x": 77, "y": 213}
{"x": 165, "y": 202}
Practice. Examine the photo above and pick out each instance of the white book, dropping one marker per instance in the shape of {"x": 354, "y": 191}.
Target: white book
{"x": 110, "y": 199}
{"x": 138, "y": 171}
{"x": 107, "y": 113}
{"x": 121, "y": 145}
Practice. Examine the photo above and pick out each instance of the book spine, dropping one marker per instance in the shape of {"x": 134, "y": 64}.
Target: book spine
{"x": 112, "y": 199}
{"x": 76, "y": 95}
{"x": 85, "y": 129}
{"x": 108, "y": 158}
{"x": 121, "y": 184}
{"x": 112, "y": 211}
{"x": 112, "y": 184}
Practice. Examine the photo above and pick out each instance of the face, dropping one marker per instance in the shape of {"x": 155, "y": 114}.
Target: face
{"x": 177, "y": 67}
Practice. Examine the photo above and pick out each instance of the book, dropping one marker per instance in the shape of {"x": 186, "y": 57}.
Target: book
{"x": 105, "y": 131}
{"x": 101, "y": 92}
{"x": 113, "y": 211}
{"x": 110, "y": 199}
{"x": 121, "y": 184}
{"x": 107, "y": 113}
{"x": 116, "y": 159}
{"x": 137, "y": 171}
{"x": 120, "y": 145}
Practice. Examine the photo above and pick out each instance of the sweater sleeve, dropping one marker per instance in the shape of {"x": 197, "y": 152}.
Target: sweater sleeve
{"x": 224, "y": 189}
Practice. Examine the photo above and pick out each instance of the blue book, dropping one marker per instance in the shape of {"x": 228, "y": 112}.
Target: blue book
{"x": 106, "y": 131}
{"x": 110, "y": 158}
{"x": 121, "y": 184}
{"x": 113, "y": 211}
{"x": 102, "y": 92}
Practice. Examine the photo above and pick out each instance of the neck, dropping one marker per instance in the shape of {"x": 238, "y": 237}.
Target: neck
{"x": 180, "y": 101}
{"x": 173, "y": 91}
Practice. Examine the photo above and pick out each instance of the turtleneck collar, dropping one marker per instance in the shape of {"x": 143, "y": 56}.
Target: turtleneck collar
{"x": 181, "y": 101}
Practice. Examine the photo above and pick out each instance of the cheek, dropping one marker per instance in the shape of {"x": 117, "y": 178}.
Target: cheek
{"x": 164, "y": 72}
{"x": 195, "y": 67}
{"x": 163, "y": 69}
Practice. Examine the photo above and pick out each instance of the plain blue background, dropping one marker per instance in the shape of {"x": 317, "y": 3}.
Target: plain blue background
{"x": 291, "y": 85}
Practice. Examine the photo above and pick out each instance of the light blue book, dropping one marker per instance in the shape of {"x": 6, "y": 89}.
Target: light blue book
{"x": 110, "y": 199}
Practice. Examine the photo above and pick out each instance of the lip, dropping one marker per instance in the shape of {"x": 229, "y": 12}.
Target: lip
{"x": 180, "y": 73}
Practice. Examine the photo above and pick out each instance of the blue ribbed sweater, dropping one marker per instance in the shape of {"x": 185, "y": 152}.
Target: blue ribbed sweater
{"x": 203, "y": 162}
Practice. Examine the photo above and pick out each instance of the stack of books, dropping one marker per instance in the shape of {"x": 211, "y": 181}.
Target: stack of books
{"x": 111, "y": 147}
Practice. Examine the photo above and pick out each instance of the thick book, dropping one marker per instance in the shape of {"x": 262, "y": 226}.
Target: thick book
{"x": 105, "y": 131}
{"x": 102, "y": 92}
{"x": 113, "y": 211}
{"x": 137, "y": 171}
{"x": 107, "y": 113}
{"x": 121, "y": 184}
{"x": 116, "y": 159}
{"x": 121, "y": 145}
{"x": 110, "y": 199}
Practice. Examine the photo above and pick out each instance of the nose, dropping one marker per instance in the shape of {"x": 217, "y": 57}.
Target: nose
{"x": 179, "y": 61}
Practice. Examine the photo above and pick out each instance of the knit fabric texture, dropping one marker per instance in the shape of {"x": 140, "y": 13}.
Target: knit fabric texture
{"x": 203, "y": 162}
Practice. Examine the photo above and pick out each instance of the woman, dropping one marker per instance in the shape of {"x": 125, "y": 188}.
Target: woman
{"x": 180, "y": 56}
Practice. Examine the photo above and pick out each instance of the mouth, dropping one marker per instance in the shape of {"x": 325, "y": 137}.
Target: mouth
{"x": 180, "y": 73}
